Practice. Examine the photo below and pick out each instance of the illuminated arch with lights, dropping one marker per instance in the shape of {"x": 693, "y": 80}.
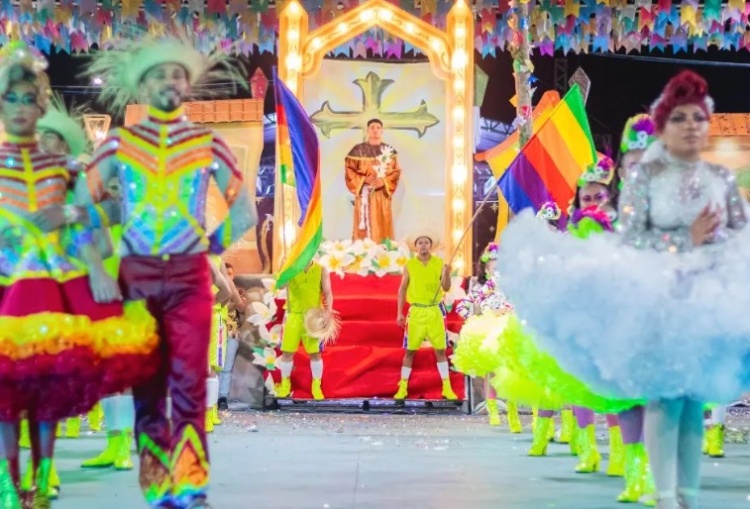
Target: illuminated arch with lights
{"x": 451, "y": 56}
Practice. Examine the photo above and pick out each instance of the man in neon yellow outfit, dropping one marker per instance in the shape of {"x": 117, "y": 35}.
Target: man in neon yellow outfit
{"x": 225, "y": 294}
{"x": 425, "y": 279}
{"x": 305, "y": 291}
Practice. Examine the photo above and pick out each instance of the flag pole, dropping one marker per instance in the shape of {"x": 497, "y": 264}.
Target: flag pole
{"x": 468, "y": 228}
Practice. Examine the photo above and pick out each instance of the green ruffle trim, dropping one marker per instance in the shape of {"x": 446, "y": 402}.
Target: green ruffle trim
{"x": 523, "y": 373}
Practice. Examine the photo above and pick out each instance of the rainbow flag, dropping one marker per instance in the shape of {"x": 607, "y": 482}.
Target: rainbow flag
{"x": 298, "y": 153}
{"x": 548, "y": 166}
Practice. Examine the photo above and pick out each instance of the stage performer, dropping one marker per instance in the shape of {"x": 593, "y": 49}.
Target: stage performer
{"x": 60, "y": 133}
{"x": 593, "y": 194}
{"x": 674, "y": 285}
{"x": 542, "y": 424}
{"x": 225, "y": 294}
{"x": 60, "y": 353}
{"x": 484, "y": 298}
{"x": 164, "y": 164}
{"x": 305, "y": 291}
{"x": 233, "y": 321}
{"x": 637, "y": 136}
{"x": 424, "y": 280}
{"x": 372, "y": 174}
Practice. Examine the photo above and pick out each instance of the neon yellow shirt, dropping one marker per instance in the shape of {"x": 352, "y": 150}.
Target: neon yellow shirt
{"x": 304, "y": 290}
{"x": 424, "y": 281}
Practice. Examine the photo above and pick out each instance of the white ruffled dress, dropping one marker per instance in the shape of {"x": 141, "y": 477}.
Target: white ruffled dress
{"x": 643, "y": 314}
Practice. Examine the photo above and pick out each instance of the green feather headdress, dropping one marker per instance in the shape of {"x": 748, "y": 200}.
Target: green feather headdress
{"x": 123, "y": 62}
{"x": 67, "y": 124}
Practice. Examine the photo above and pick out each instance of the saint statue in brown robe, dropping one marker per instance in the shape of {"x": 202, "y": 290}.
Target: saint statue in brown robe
{"x": 372, "y": 174}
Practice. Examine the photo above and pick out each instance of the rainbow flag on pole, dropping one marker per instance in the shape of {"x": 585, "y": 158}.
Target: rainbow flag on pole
{"x": 298, "y": 153}
{"x": 548, "y": 166}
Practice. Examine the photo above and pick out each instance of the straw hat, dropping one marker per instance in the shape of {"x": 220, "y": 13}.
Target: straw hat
{"x": 417, "y": 234}
{"x": 124, "y": 62}
{"x": 323, "y": 324}
{"x": 66, "y": 124}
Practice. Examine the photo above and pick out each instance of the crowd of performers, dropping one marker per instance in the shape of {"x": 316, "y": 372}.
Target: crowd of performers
{"x": 109, "y": 279}
{"x": 636, "y": 309}
{"x": 633, "y": 309}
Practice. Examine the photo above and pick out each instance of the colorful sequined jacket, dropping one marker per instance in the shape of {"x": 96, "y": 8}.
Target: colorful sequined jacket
{"x": 164, "y": 166}
{"x": 29, "y": 181}
{"x": 481, "y": 297}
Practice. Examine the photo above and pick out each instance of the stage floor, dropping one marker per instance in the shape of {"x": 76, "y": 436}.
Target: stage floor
{"x": 292, "y": 461}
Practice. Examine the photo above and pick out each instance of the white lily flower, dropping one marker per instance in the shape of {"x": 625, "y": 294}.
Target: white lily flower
{"x": 361, "y": 266}
{"x": 336, "y": 262}
{"x": 384, "y": 264}
{"x": 263, "y": 313}
{"x": 272, "y": 336}
{"x": 368, "y": 243}
{"x": 398, "y": 260}
{"x": 357, "y": 248}
{"x": 265, "y": 358}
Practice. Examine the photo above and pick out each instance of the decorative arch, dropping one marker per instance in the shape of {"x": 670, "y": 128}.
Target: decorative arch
{"x": 451, "y": 56}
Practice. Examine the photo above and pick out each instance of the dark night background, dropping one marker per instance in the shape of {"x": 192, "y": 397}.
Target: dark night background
{"x": 621, "y": 85}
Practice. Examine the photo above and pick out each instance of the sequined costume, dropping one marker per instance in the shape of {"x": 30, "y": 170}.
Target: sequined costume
{"x": 671, "y": 329}
{"x": 164, "y": 165}
{"x": 64, "y": 351}
{"x": 486, "y": 311}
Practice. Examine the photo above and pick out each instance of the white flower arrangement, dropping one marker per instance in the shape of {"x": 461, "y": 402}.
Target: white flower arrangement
{"x": 363, "y": 257}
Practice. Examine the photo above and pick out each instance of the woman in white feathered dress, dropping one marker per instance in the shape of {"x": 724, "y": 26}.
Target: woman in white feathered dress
{"x": 677, "y": 331}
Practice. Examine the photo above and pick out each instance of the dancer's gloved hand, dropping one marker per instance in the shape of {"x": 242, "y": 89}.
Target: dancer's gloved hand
{"x": 103, "y": 287}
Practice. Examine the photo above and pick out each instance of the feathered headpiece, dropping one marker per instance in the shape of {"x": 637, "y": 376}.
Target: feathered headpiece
{"x": 15, "y": 56}
{"x": 550, "y": 211}
{"x": 66, "y": 124}
{"x": 639, "y": 133}
{"x": 490, "y": 253}
{"x": 125, "y": 61}
{"x": 685, "y": 88}
{"x": 600, "y": 173}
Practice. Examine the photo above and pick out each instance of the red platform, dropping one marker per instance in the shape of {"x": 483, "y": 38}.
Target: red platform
{"x": 366, "y": 360}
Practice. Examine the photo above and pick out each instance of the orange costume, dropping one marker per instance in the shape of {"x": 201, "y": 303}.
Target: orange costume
{"x": 372, "y": 205}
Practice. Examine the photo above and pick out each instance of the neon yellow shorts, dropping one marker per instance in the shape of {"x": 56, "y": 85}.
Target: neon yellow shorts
{"x": 294, "y": 333}
{"x": 425, "y": 324}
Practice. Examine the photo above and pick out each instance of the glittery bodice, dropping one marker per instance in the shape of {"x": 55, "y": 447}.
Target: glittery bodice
{"x": 662, "y": 198}
{"x": 29, "y": 181}
{"x": 164, "y": 165}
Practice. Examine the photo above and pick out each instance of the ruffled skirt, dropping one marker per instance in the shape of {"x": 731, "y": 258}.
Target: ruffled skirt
{"x": 60, "y": 352}
{"x": 633, "y": 324}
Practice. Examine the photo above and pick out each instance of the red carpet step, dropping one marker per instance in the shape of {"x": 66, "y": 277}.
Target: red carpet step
{"x": 366, "y": 360}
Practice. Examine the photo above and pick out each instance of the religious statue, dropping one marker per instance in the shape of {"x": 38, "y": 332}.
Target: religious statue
{"x": 372, "y": 174}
